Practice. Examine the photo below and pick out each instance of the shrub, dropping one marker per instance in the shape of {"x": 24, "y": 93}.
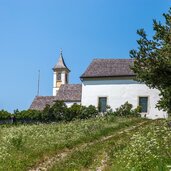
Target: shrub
{"x": 26, "y": 115}
{"x": 77, "y": 111}
{"x": 4, "y": 115}
{"x": 46, "y": 114}
{"x": 73, "y": 112}
{"x": 126, "y": 110}
{"x": 109, "y": 111}
{"x": 88, "y": 112}
{"x": 58, "y": 111}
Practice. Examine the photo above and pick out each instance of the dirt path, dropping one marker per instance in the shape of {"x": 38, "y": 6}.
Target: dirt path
{"x": 103, "y": 163}
{"x": 48, "y": 162}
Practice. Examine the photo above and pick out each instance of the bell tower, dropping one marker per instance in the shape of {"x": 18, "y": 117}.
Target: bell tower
{"x": 60, "y": 74}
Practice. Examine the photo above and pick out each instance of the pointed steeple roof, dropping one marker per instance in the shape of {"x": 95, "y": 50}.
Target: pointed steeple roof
{"x": 61, "y": 63}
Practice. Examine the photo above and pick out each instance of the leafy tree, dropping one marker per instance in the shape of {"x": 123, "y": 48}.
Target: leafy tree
{"x": 153, "y": 60}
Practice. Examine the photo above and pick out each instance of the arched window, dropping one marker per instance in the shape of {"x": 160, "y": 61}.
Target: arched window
{"x": 59, "y": 76}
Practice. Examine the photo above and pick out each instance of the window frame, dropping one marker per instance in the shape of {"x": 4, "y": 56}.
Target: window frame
{"x": 60, "y": 76}
{"x": 66, "y": 78}
{"x": 148, "y": 104}
{"x": 98, "y": 101}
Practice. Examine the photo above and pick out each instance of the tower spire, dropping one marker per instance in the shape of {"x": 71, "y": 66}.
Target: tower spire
{"x": 61, "y": 51}
{"x": 60, "y": 74}
{"x": 61, "y": 63}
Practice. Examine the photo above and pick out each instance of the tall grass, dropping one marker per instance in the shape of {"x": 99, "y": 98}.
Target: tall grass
{"x": 22, "y": 146}
{"x": 146, "y": 148}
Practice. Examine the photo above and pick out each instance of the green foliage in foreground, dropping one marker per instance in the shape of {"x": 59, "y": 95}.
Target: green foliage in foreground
{"x": 22, "y": 146}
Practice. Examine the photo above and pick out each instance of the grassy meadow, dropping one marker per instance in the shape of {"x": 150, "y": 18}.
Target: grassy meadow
{"x": 104, "y": 143}
{"x": 146, "y": 148}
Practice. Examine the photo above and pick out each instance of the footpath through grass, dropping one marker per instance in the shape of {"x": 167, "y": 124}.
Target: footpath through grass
{"x": 96, "y": 155}
{"x": 146, "y": 148}
{"x": 24, "y": 146}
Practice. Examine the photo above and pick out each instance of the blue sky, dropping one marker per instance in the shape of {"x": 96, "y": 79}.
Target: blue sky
{"x": 33, "y": 31}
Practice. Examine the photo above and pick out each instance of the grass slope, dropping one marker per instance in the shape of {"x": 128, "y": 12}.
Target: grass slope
{"x": 105, "y": 143}
{"x": 24, "y": 146}
{"x": 95, "y": 155}
{"x": 146, "y": 148}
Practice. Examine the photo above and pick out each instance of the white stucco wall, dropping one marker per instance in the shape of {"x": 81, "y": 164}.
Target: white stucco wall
{"x": 69, "y": 104}
{"x": 63, "y": 80}
{"x": 118, "y": 91}
{"x": 54, "y": 83}
{"x": 63, "y": 75}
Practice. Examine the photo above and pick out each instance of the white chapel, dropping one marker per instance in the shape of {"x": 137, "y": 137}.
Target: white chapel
{"x": 106, "y": 82}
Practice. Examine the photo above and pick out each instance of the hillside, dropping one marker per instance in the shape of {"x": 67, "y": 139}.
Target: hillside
{"x": 107, "y": 143}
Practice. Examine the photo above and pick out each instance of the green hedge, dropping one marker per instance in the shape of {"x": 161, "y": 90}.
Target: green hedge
{"x": 4, "y": 115}
{"x": 60, "y": 112}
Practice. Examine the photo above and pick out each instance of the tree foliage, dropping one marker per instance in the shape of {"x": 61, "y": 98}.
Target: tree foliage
{"x": 153, "y": 60}
{"x": 4, "y": 115}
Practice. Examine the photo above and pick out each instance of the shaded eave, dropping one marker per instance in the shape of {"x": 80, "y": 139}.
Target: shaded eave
{"x": 107, "y": 76}
{"x": 61, "y": 69}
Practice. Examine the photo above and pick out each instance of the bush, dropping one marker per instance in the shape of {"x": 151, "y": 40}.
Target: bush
{"x": 126, "y": 110}
{"x": 73, "y": 112}
{"x": 46, "y": 114}
{"x": 77, "y": 111}
{"x": 88, "y": 112}
{"x": 4, "y": 115}
{"x": 58, "y": 111}
{"x": 27, "y": 115}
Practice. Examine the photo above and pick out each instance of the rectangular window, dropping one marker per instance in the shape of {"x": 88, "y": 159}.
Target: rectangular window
{"x": 102, "y": 104}
{"x": 66, "y": 78}
{"x": 143, "y": 102}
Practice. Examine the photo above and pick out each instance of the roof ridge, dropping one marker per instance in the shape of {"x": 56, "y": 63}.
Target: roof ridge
{"x": 71, "y": 84}
{"x": 113, "y": 59}
{"x": 42, "y": 96}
